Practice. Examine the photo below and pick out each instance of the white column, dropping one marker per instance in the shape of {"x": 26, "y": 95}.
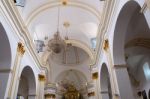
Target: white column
{"x": 125, "y": 89}
{"x": 14, "y": 82}
{"x": 42, "y": 80}
{"x": 50, "y": 91}
{"x": 95, "y": 77}
{"x": 105, "y": 94}
{"x": 31, "y": 96}
{"x": 4, "y": 76}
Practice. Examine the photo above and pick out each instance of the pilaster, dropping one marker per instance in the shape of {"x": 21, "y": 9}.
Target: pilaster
{"x": 13, "y": 88}
{"x": 42, "y": 80}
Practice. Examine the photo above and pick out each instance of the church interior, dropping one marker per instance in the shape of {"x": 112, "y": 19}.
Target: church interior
{"x": 75, "y": 49}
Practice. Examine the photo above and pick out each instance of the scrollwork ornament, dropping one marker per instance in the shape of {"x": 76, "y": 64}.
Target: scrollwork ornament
{"x": 20, "y": 48}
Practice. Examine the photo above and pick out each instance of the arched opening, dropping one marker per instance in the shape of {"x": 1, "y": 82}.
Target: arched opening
{"x": 71, "y": 81}
{"x": 126, "y": 17}
{"x": 5, "y": 60}
{"x": 27, "y": 84}
{"x": 131, "y": 45}
{"x": 106, "y": 91}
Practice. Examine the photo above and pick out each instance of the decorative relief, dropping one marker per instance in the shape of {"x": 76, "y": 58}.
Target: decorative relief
{"x": 106, "y": 44}
{"x": 50, "y": 96}
{"x": 91, "y": 94}
{"x": 143, "y": 42}
{"x": 20, "y": 48}
{"x": 95, "y": 76}
{"x": 41, "y": 77}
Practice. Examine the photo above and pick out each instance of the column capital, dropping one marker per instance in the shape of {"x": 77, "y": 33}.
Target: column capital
{"x": 106, "y": 44}
{"x": 90, "y": 94}
{"x": 41, "y": 77}
{"x": 95, "y": 75}
{"x": 20, "y": 48}
{"x": 48, "y": 95}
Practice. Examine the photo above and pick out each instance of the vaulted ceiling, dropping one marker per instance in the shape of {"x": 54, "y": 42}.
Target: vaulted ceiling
{"x": 83, "y": 17}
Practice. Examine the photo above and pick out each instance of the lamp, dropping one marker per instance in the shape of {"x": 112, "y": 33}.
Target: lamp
{"x": 57, "y": 43}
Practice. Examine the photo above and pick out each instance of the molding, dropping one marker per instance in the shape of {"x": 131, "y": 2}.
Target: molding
{"x": 6, "y": 70}
{"x": 144, "y": 7}
{"x": 41, "y": 77}
{"x": 142, "y": 42}
{"x": 120, "y": 66}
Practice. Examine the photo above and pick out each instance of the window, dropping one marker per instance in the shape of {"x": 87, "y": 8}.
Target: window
{"x": 93, "y": 42}
{"x": 146, "y": 70}
{"x": 19, "y": 3}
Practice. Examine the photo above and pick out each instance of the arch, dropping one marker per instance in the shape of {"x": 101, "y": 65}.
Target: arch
{"x": 27, "y": 84}
{"x": 5, "y": 60}
{"x": 77, "y": 72}
{"x": 122, "y": 23}
{"x": 53, "y": 4}
{"x": 105, "y": 83}
{"x": 75, "y": 43}
{"x": 5, "y": 49}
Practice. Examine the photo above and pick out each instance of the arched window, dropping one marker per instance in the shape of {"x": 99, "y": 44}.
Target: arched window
{"x": 93, "y": 42}
{"x": 19, "y": 3}
{"x": 146, "y": 70}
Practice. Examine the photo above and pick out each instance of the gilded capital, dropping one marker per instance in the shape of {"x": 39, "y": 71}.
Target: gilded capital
{"x": 106, "y": 44}
{"x": 91, "y": 94}
{"x": 50, "y": 96}
{"x": 20, "y": 48}
{"x": 41, "y": 77}
{"x": 95, "y": 76}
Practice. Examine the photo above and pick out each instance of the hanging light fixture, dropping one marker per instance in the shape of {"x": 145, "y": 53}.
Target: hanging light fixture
{"x": 57, "y": 43}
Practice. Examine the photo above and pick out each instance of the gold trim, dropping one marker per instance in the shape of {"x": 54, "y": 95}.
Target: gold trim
{"x": 106, "y": 44}
{"x": 41, "y": 77}
{"x": 95, "y": 76}
{"x": 91, "y": 94}
{"x": 20, "y": 48}
{"x": 49, "y": 95}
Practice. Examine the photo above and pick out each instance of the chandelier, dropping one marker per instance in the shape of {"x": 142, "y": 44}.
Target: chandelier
{"x": 57, "y": 44}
